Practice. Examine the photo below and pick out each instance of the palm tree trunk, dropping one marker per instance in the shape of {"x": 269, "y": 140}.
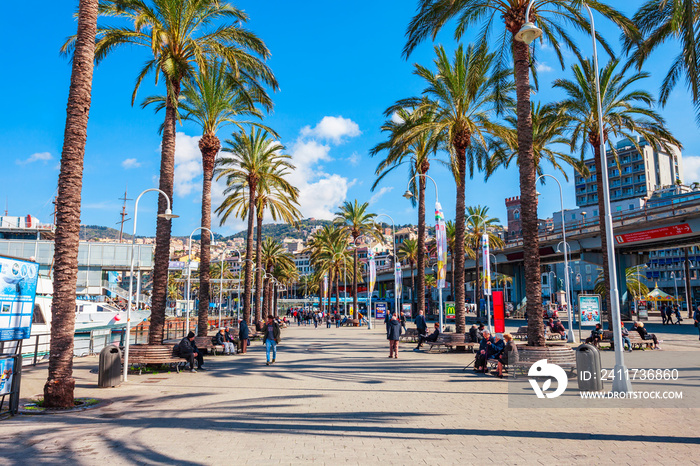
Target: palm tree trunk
{"x": 601, "y": 225}
{"x": 259, "y": 273}
{"x": 413, "y": 293}
{"x": 354, "y": 279}
{"x": 274, "y": 301}
{"x": 460, "y": 143}
{"x": 60, "y": 384}
{"x": 528, "y": 193}
{"x": 247, "y": 291}
{"x": 337, "y": 292}
{"x": 452, "y": 284}
{"x": 421, "y": 243}
{"x": 163, "y": 225}
{"x": 209, "y": 146}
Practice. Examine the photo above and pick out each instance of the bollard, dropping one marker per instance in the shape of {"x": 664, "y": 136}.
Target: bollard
{"x": 588, "y": 367}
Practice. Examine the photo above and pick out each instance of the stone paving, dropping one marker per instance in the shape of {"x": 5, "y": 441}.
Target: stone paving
{"x": 334, "y": 397}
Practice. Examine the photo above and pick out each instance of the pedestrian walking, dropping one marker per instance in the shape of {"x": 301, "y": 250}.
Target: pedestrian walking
{"x": 696, "y": 319}
{"x": 271, "y": 339}
{"x": 421, "y": 324}
{"x": 243, "y": 335}
{"x": 393, "y": 333}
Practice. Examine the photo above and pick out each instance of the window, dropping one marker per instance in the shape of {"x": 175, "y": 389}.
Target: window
{"x": 37, "y": 315}
{"x": 595, "y": 213}
{"x": 631, "y": 206}
{"x": 516, "y": 214}
{"x": 573, "y": 216}
{"x": 588, "y": 269}
{"x": 619, "y": 208}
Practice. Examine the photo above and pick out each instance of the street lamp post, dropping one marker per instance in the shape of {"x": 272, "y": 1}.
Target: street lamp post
{"x": 579, "y": 277}
{"x": 168, "y": 214}
{"x": 477, "y": 281}
{"x": 345, "y": 284}
{"x": 239, "y": 284}
{"x": 369, "y": 294}
{"x": 527, "y": 34}
{"x": 189, "y": 270}
{"x": 675, "y": 286}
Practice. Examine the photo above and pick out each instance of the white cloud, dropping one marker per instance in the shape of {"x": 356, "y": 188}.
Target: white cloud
{"x": 188, "y": 164}
{"x": 354, "y": 159}
{"x": 379, "y": 194}
{"x": 396, "y": 118}
{"x": 131, "y": 163}
{"x": 691, "y": 168}
{"x": 36, "y": 157}
{"x": 333, "y": 129}
{"x": 543, "y": 67}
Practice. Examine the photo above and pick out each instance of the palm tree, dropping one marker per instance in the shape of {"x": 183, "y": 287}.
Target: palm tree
{"x": 633, "y": 277}
{"x": 255, "y": 158}
{"x": 60, "y": 384}
{"x": 215, "y": 272}
{"x": 181, "y": 37}
{"x": 548, "y": 124}
{"x": 355, "y": 219}
{"x": 660, "y": 21}
{"x": 463, "y": 97}
{"x": 417, "y": 152}
{"x": 626, "y": 112}
{"x": 478, "y": 223}
{"x": 408, "y": 251}
{"x": 272, "y": 257}
{"x": 212, "y": 99}
{"x": 553, "y": 17}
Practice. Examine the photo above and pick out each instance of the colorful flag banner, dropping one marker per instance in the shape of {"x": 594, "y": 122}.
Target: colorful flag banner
{"x": 372, "y": 271}
{"x": 441, "y": 240}
{"x": 325, "y": 285}
{"x": 487, "y": 263}
{"x": 397, "y": 279}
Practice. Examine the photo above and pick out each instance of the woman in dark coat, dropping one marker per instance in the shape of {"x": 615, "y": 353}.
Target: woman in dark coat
{"x": 509, "y": 355}
{"x": 393, "y": 333}
{"x": 243, "y": 335}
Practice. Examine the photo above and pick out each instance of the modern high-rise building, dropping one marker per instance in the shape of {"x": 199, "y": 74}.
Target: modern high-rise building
{"x": 639, "y": 173}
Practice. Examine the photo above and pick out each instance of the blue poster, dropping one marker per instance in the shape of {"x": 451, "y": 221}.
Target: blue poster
{"x": 380, "y": 309}
{"x": 6, "y": 370}
{"x": 18, "y": 279}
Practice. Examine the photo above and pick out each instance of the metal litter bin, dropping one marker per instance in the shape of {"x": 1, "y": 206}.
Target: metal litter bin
{"x": 109, "y": 372}
{"x": 588, "y": 367}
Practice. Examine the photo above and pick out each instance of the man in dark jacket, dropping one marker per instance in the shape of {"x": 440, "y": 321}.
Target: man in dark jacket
{"x": 483, "y": 352}
{"x": 223, "y": 338}
{"x": 187, "y": 349}
{"x": 696, "y": 319}
{"x": 432, "y": 337}
{"x": 474, "y": 334}
{"x": 271, "y": 339}
{"x": 393, "y": 333}
{"x": 421, "y": 324}
{"x": 243, "y": 335}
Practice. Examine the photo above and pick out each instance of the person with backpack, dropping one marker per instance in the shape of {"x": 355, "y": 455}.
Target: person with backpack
{"x": 393, "y": 333}
{"x": 271, "y": 339}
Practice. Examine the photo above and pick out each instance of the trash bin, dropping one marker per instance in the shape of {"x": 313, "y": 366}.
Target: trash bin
{"x": 588, "y": 367}
{"x": 109, "y": 372}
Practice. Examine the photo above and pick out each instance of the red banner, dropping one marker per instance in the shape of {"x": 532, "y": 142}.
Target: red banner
{"x": 499, "y": 316}
{"x": 645, "y": 235}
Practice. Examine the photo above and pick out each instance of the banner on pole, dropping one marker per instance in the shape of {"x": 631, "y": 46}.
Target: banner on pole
{"x": 372, "y": 271}
{"x": 499, "y": 313}
{"x": 325, "y": 285}
{"x": 450, "y": 310}
{"x": 441, "y": 240}
{"x": 487, "y": 263}
{"x": 397, "y": 279}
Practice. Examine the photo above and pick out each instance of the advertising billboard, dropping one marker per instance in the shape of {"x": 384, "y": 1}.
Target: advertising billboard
{"x": 18, "y": 279}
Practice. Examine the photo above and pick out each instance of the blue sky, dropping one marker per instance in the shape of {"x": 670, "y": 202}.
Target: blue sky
{"x": 339, "y": 66}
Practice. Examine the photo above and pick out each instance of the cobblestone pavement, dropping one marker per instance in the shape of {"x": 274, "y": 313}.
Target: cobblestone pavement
{"x": 334, "y": 397}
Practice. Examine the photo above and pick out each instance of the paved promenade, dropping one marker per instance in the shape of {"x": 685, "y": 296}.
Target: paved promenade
{"x": 335, "y": 398}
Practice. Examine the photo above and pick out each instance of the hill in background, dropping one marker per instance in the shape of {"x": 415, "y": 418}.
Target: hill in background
{"x": 279, "y": 231}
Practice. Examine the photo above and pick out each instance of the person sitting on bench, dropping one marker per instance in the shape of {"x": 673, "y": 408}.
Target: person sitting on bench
{"x": 556, "y": 327}
{"x": 596, "y": 334}
{"x": 482, "y": 353}
{"x": 639, "y": 327}
{"x": 494, "y": 350}
{"x": 187, "y": 349}
{"x": 223, "y": 338}
{"x": 509, "y": 355}
{"x": 432, "y": 337}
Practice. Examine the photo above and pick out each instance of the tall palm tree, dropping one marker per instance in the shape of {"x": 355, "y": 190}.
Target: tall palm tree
{"x": 180, "y": 37}
{"x": 60, "y": 384}
{"x": 417, "y": 152}
{"x": 548, "y": 125}
{"x": 212, "y": 99}
{"x": 626, "y": 111}
{"x": 661, "y": 21}
{"x": 409, "y": 252}
{"x": 329, "y": 253}
{"x": 463, "y": 95}
{"x": 478, "y": 223}
{"x": 254, "y": 156}
{"x": 273, "y": 256}
{"x": 554, "y": 18}
{"x": 357, "y": 221}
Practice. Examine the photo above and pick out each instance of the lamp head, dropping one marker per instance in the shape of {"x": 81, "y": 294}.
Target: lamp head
{"x": 528, "y": 33}
{"x": 168, "y": 215}
{"x": 408, "y": 194}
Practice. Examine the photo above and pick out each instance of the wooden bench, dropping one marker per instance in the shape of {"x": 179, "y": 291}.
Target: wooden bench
{"x": 561, "y": 355}
{"x": 521, "y": 334}
{"x": 451, "y": 341}
{"x": 206, "y": 344}
{"x": 409, "y": 336}
{"x": 638, "y": 342}
{"x": 141, "y": 355}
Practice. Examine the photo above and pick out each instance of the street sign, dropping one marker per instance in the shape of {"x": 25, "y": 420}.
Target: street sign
{"x": 645, "y": 235}
{"x": 450, "y": 310}
{"x": 589, "y": 309}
